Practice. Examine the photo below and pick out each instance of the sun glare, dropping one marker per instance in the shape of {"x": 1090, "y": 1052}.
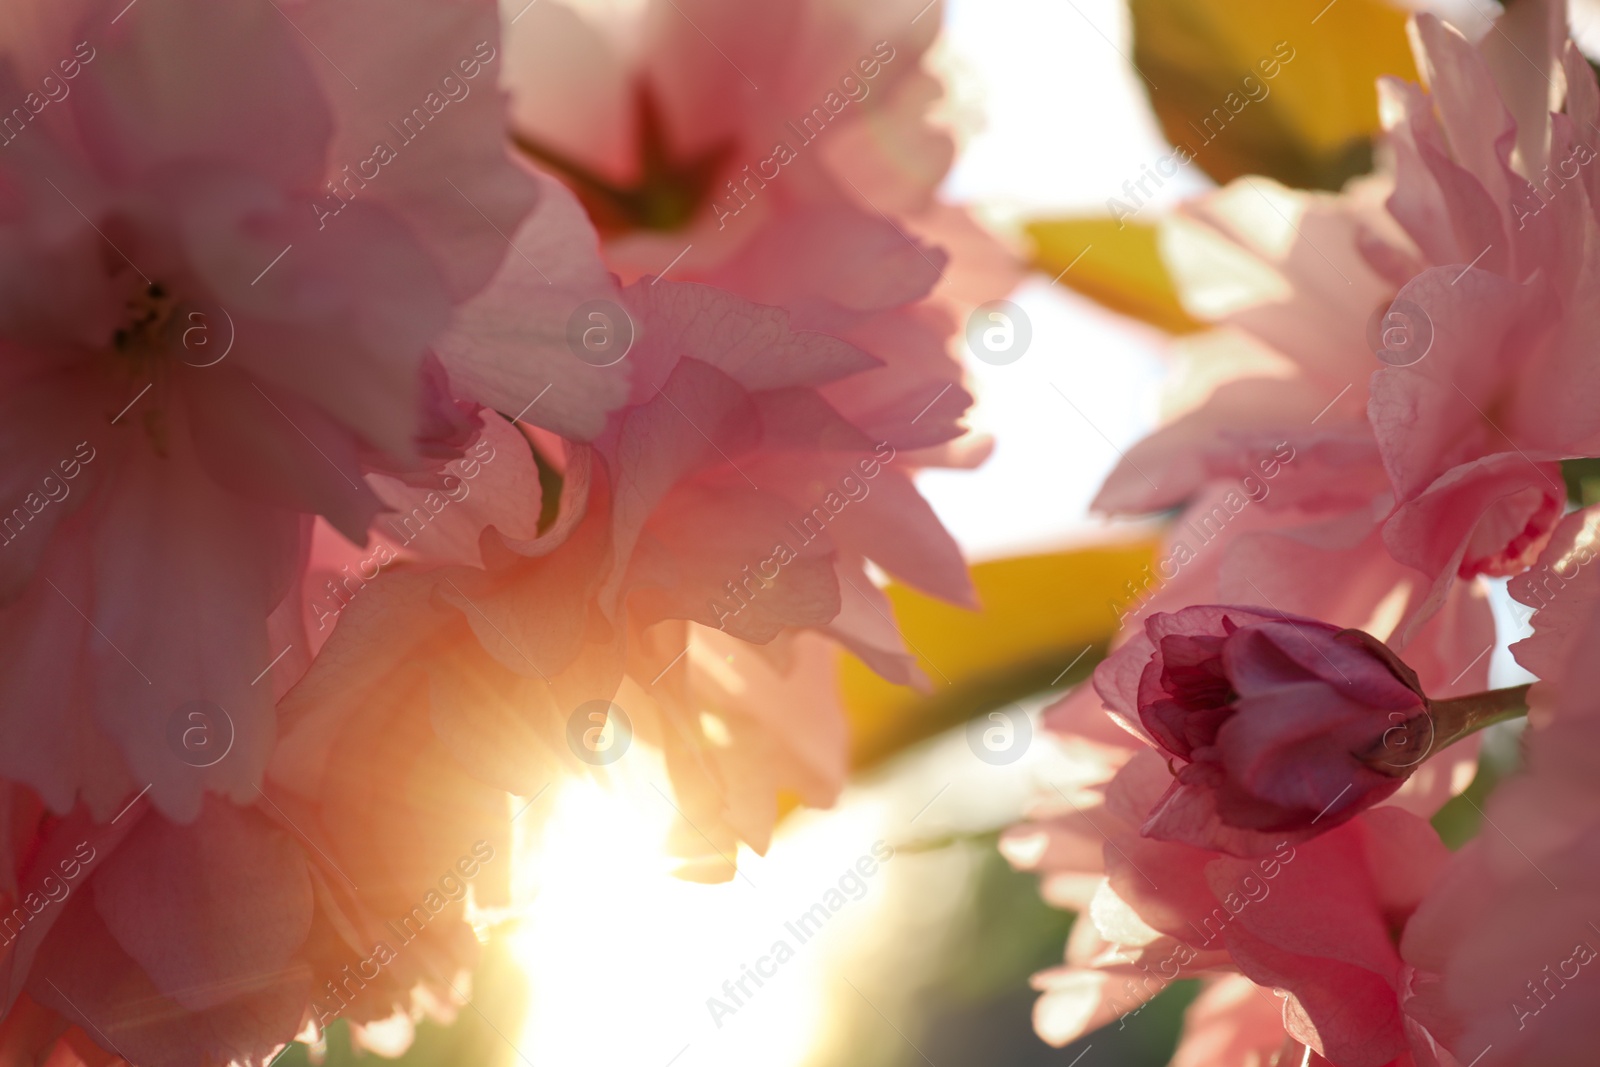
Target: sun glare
{"x": 629, "y": 966}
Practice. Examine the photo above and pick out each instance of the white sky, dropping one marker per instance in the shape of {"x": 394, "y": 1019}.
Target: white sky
{"x": 1064, "y": 125}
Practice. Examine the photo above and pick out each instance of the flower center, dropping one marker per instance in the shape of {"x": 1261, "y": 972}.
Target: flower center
{"x": 671, "y": 187}
{"x": 142, "y": 348}
{"x": 146, "y": 333}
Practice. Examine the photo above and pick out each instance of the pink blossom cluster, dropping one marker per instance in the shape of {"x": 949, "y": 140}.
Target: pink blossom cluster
{"x": 386, "y": 386}
{"x": 1304, "y": 692}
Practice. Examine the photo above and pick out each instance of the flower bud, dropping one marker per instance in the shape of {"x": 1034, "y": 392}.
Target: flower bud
{"x": 1277, "y": 728}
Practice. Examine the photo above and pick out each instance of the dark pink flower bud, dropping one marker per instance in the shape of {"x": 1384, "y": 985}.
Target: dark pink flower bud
{"x": 1277, "y": 728}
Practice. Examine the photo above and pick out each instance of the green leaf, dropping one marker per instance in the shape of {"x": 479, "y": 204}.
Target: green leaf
{"x": 1284, "y": 88}
{"x": 1116, "y": 263}
{"x": 1461, "y": 818}
{"x": 1583, "y": 480}
{"x": 1039, "y": 615}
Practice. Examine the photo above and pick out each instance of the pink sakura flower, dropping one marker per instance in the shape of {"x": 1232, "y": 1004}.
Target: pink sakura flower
{"x": 509, "y": 350}
{"x": 1250, "y": 550}
{"x": 1067, "y": 845}
{"x": 815, "y": 192}
{"x": 1282, "y": 482}
{"x": 169, "y": 958}
{"x": 1311, "y": 920}
{"x": 177, "y": 943}
{"x": 1561, "y": 594}
{"x": 704, "y": 122}
{"x": 1494, "y": 187}
{"x": 1270, "y": 449}
{"x": 730, "y": 507}
{"x": 1449, "y": 450}
{"x": 212, "y": 334}
{"x": 1504, "y": 947}
{"x": 338, "y": 894}
{"x": 699, "y": 564}
{"x": 652, "y": 548}
{"x": 1276, "y": 394}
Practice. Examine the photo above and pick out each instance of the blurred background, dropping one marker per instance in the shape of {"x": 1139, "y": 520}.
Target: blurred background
{"x": 614, "y": 962}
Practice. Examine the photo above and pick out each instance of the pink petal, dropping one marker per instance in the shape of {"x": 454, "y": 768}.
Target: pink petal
{"x": 453, "y": 182}
{"x": 509, "y": 343}
{"x": 189, "y": 79}
{"x": 754, "y": 345}
{"x": 209, "y": 909}
{"x": 85, "y": 975}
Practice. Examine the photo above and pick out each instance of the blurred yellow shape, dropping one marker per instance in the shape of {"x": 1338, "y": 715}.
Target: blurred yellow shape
{"x": 1115, "y": 263}
{"x": 1041, "y": 615}
{"x": 1306, "y": 116}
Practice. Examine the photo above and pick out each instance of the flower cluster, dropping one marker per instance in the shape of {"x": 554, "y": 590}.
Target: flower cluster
{"x": 1311, "y": 684}
{"x": 385, "y": 388}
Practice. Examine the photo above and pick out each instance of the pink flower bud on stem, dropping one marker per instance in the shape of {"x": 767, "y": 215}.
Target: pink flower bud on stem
{"x": 1277, "y": 728}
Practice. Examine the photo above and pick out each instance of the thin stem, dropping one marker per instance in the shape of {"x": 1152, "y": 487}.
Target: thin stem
{"x": 1403, "y": 747}
{"x": 1458, "y": 718}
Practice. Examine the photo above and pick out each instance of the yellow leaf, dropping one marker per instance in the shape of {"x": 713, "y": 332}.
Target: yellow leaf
{"x": 1116, "y": 263}
{"x": 1039, "y": 614}
{"x": 1284, "y": 88}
